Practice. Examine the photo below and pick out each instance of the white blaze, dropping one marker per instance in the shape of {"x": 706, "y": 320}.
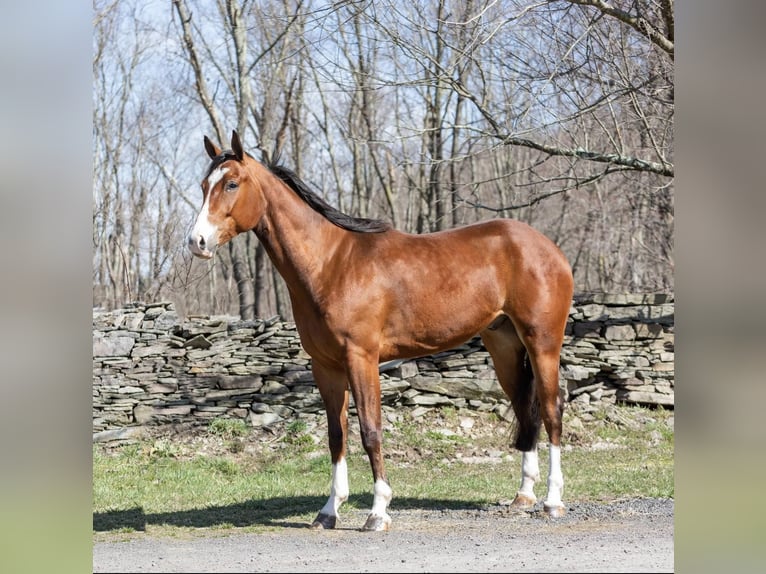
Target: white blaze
{"x": 215, "y": 177}
{"x": 204, "y": 230}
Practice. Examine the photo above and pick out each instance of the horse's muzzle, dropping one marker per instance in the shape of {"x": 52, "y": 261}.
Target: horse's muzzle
{"x": 199, "y": 247}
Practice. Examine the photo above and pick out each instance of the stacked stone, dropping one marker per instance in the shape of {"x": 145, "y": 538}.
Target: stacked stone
{"x": 151, "y": 367}
{"x": 619, "y": 348}
{"x": 201, "y": 368}
{"x": 462, "y": 377}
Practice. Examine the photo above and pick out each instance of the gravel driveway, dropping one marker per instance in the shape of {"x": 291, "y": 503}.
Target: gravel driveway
{"x": 633, "y": 535}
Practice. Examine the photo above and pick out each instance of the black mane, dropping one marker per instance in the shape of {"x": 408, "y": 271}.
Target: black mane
{"x": 360, "y": 224}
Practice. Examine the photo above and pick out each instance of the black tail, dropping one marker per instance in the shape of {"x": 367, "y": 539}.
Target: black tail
{"x": 526, "y": 408}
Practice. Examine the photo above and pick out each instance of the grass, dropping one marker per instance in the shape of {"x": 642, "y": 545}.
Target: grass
{"x": 171, "y": 487}
{"x": 231, "y": 428}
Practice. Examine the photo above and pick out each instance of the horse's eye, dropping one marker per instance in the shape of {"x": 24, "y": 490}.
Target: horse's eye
{"x": 231, "y": 185}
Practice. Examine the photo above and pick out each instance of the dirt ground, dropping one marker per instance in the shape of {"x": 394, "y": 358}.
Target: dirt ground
{"x": 625, "y": 536}
{"x": 632, "y": 535}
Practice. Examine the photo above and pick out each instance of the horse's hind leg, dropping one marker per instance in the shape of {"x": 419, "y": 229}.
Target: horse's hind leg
{"x": 545, "y": 365}
{"x": 333, "y": 388}
{"x": 514, "y": 373}
{"x": 528, "y": 371}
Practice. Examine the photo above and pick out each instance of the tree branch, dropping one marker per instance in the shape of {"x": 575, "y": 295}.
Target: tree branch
{"x": 207, "y": 102}
{"x": 665, "y": 169}
{"x": 535, "y": 200}
{"x": 638, "y": 22}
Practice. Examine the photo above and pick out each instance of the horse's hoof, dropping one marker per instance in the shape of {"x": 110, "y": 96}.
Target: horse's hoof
{"x": 324, "y": 522}
{"x": 522, "y": 501}
{"x": 377, "y": 523}
{"x": 556, "y": 511}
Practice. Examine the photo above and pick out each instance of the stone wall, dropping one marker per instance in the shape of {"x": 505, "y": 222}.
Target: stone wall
{"x": 150, "y": 367}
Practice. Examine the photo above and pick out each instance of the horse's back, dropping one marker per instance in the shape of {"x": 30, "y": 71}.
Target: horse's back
{"x": 501, "y": 243}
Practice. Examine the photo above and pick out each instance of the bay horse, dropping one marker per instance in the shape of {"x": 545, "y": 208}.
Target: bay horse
{"x": 363, "y": 293}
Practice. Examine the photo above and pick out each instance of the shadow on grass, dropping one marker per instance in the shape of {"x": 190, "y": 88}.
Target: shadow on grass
{"x": 269, "y": 512}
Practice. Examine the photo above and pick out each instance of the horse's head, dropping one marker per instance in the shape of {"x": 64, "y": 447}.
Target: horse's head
{"x": 232, "y": 199}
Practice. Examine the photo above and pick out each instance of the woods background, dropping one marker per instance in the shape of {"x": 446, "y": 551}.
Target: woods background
{"x": 427, "y": 113}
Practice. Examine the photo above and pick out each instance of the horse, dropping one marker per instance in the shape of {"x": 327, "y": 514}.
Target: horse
{"x": 364, "y": 293}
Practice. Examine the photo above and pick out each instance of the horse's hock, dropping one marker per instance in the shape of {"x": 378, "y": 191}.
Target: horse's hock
{"x": 150, "y": 367}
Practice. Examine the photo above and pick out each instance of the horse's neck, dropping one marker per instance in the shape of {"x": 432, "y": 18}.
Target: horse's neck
{"x": 297, "y": 239}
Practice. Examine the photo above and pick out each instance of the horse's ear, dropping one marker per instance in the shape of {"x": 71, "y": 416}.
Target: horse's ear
{"x": 212, "y": 150}
{"x": 236, "y": 146}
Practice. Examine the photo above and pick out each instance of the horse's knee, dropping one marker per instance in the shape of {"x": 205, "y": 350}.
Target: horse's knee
{"x": 371, "y": 438}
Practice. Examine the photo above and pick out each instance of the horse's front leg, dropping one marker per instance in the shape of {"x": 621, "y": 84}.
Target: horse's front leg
{"x": 333, "y": 388}
{"x": 363, "y": 375}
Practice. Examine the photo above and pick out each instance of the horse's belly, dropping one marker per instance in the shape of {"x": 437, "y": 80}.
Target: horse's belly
{"x": 416, "y": 339}
{"x": 426, "y": 321}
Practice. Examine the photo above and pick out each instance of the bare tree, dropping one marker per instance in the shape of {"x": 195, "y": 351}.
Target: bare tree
{"x": 258, "y": 120}
{"x": 431, "y": 113}
{"x": 122, "y": 184}
{"x": 586, "y": 91}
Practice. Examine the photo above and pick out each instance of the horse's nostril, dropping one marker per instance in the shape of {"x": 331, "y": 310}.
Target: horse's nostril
{"x": 196, "y": 242}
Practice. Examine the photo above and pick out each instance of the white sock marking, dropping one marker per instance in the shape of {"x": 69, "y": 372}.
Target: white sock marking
{"x": 382, "y": 494}
{"x": 555, "y": 478}
{"x": 530, "y": 473}
{"x": 339, "y": 490}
